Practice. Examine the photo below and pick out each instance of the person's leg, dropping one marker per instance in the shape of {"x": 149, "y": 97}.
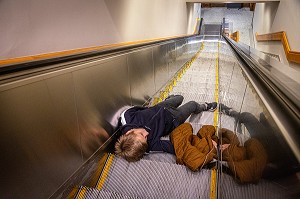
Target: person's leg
{"x": 172, "y": 101}
{"x": 183, "y": 112}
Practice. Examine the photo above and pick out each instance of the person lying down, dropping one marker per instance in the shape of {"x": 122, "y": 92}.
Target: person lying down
{"x": 195, "y": 151}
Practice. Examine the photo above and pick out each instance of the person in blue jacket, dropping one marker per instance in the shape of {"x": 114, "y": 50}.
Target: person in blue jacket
{"x": 142, "y": 127}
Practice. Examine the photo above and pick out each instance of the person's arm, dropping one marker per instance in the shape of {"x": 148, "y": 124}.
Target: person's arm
{"x": 163, "y": 145}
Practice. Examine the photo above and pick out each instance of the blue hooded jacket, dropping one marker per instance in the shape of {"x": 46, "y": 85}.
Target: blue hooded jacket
{"x": 157, "y": 120}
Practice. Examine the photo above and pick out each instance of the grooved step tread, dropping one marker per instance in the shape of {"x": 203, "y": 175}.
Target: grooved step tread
{"x": 153, "y": 179}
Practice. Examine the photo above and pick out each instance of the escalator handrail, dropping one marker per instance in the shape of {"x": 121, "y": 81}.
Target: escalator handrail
{"x": 40, "y": 63}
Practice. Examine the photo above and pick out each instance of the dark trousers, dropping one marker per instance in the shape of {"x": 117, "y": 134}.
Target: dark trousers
{"x": 181, "y": 113}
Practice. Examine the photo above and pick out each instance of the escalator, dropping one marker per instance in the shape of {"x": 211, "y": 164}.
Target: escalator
{"x": 214, "y": 73}
{"x": 202, "y": 68}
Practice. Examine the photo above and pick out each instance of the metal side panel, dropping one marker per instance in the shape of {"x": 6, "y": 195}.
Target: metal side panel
{"x": 181, "y": 52}
{"x": 171, "y": 60}
{"x": 161, "y": 71}
{"x": 193, "y": 47}
{"x": 231, "y": 190}
{"x": 100, "y": 90}
{"x": 39, "y": 137}
{"x": 141, "y": 75}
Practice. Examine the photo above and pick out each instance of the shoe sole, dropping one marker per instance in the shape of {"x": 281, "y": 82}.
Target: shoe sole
{"x": 212, "y": 110}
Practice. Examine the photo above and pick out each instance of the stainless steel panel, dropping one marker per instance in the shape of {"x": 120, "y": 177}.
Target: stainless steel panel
{"x": 160, "y": 54}
{"x": 171, "y": 59}
{"x": 181, "y": 50}
{"x": 100, "y": 90}
{"x": 193, "y": 47}
{"x": 39, "y": 138}
{"x": 141, "y": 75}
{"x": 180, "y": 47}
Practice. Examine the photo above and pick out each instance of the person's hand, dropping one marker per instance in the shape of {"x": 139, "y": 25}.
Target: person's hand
{"x": 224, "y": 146}
{"x": 215, "y": 144}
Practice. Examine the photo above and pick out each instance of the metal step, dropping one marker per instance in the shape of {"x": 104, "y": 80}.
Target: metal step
{"x": 92, "y": 193}
{"x": 230, "y": 189}
{"x": 153, "y": 179}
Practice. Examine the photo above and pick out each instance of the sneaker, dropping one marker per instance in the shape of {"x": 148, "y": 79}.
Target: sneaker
{"x": 225, "y": 109}
{"x": 211, "y": 106}
{"x": 170, "y": 96}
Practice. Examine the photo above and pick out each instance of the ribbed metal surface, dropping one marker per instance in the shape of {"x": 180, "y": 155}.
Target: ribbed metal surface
{"x": 264, "y": 190}
{"x": 91, "y": 193}
{"x": 151, "y": 179}
{"x": 160, "y": 157}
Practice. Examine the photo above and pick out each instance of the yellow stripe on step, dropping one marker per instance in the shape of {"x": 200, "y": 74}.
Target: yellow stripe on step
{"x": 213, "y": 182}
{"x": 81, "y": 193}
{"x": 105, "y": 171}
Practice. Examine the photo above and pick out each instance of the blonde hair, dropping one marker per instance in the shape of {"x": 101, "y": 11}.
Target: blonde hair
{"x": 130, "y": 148}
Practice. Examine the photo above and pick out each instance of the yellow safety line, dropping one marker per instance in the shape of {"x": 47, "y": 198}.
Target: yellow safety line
{"x": 104, "y": 165}
{"x": 213, "y": 185}
{"x": 217, "y": 86}
{"x": 195, "y": 28}
{"x": 99, "y": 170}
{"x": 164, "y": 93}
{"x": 75, "y": 191}
{"x": 105, "y": 171}
{"x": 81, "y": 193}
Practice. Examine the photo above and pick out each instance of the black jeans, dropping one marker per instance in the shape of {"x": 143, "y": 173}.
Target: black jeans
{"x": 181, "y": 113}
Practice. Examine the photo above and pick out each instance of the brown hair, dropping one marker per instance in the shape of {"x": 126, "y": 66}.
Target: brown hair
{"x": 130, "y": 148}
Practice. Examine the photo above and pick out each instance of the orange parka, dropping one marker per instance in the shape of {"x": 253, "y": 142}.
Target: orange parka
{"x": 194, "y": 151}
{"x": 246, "y": 162}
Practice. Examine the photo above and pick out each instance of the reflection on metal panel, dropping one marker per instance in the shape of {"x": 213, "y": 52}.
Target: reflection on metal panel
{"x": 99, "y": 90}
{"x": 141, "y": 75}
{"x": 171, "y": 59}
{"x": 256, "y": 132}
{"x": 160, "y": 65}
{"x": 181, "y": 57}
{"x": 39, "y": 137}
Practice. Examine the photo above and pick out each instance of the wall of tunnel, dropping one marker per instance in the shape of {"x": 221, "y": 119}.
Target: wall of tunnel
{"x": 37, "y": 27}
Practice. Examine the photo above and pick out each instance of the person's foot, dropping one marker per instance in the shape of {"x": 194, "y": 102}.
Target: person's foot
{"x": 211, "y": 106}
{"x": 225, "y": 109}
{"x": 170, "y": 96}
